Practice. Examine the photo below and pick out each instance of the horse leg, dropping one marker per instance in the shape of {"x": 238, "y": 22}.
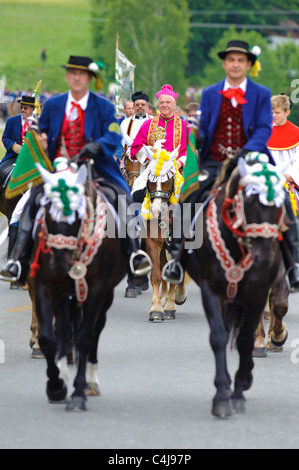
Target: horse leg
{"x": 245, "y": 341}
{"x": 156, "y": 313}
{"x": 180, "y": 294}
{"x": 93, "y": 384}
{"x": 278, "y": 333}
{"x": 169, "y": 307}
{"x": 218, "y": 339}
{"x": 34, "y": 327}
{"x": 91, "y": 311}
{"x": 259, "y": 349}
{"x": 56, "y": 388}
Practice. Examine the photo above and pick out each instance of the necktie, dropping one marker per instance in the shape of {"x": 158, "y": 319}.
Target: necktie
{"x": 79, "y": 109}
{"x": 236, "y": 93}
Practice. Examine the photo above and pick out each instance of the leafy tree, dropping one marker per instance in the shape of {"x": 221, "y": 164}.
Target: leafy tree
{"x": 153, "y": 36}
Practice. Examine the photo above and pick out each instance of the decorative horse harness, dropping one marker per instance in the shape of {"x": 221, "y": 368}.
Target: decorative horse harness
{"x": 237, "y": 224}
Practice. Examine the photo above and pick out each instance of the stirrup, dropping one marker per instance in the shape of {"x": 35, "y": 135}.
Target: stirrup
{"x": 287, "y": 278}
{"x": 168, "y": 266}
{"x": 12, "y": 278}
{"x": 140, "y": 271}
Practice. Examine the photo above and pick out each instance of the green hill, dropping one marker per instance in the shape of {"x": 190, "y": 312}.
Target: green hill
{"x": 27, "y": 26}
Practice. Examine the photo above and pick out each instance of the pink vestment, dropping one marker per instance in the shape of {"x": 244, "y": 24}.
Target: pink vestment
{"x": 143, "y": 135}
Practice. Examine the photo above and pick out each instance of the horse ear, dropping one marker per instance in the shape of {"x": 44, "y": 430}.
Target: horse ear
{"x": 82, "y": 174}
{"x": 45, "y": 174}
{"x": 173, "y": 155}
{"x": 244, "y": 169}
{"x": 149, "y": 153}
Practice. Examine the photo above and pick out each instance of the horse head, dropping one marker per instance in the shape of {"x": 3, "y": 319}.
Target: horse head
{"x": 163, "y": 184}
{"x": 63, "y": 212}
{"x": 253, "y": 206}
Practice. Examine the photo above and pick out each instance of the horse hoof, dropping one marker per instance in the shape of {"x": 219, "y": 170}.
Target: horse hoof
{"x": 222, "y": 409}
{"x": 156, "y": 316}
{"x": 76, "y": 404}
{"x": 131, "y": 293}
{"x": 275, "y": 349}
{"x": 239, "y": 405}
{"x": 58, "y": 394}
{"x": 259, "y": 352}
{"x": 169, "y": 314}
{"x": 92, "y": 390}
{"x": 37, "y": 354}
{"x": 280, "y": 342}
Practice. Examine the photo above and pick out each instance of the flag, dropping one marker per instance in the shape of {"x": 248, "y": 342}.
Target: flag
{"x": 124, "y": 80}
{"x": 191, "y": 170}
{"x": 25, "y": 171}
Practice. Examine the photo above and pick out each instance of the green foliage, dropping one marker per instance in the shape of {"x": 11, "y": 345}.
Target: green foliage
{"x": 151, "y": 35}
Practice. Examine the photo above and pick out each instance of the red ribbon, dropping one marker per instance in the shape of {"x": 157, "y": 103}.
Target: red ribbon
{"x": 236, "y": 93}
{"x": 76, "y": 105}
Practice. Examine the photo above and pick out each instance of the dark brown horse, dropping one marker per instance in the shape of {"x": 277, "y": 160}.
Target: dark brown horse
{"x": 237, "y": 264}
{"x": 74, "y": 259}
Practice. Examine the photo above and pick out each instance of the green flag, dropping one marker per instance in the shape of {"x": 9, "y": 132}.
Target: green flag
{"x": 25, "y": 171}
{"x": 191, "y": 170}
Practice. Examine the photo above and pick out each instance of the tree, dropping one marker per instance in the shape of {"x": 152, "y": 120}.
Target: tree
{"x": 152, "y": 34}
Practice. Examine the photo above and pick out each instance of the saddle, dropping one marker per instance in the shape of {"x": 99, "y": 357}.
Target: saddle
{"x": 6, "y": 169}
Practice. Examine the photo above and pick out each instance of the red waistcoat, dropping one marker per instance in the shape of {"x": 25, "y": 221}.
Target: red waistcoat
{"x": 74, "y": 136}
{"x": 229, "y": 137}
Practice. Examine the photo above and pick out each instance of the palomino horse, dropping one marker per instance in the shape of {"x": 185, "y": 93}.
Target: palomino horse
{"x": 236, "y": 266}
{"x": 163, "y": 181}
{"x": 73, "y": 258}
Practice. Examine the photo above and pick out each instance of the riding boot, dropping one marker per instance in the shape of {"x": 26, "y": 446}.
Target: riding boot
{"x": 12, "y": 237}
{"x": 289, "y": 247}
{"x": 139, "y": 263}
{"x": 16, "y": 269}
{"x": 174, "y": 270}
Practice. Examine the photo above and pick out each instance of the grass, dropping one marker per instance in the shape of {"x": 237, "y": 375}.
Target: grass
{"x": 62, "y": 27}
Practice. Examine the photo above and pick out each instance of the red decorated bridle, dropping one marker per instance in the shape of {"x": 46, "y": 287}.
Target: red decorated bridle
{"x": 233, "y": 215}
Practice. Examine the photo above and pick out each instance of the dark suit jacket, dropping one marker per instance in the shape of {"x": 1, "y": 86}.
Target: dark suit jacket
{"x": 12, "y": 135}
{"x": 257, "y": 117}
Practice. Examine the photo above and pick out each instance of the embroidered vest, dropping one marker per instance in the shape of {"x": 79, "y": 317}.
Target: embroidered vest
{"x": 74, "y": 137}
{"x": 229, "y": 137}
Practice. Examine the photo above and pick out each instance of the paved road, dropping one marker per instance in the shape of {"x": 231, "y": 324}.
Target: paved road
{"x": 156, "y": 384}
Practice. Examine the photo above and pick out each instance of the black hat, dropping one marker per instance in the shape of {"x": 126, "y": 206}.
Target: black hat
{"x": 81, "y": 63}
{"x": 27, "y": 100}
{"x": 139, "y": 95}
{"x": 238, "y": 46}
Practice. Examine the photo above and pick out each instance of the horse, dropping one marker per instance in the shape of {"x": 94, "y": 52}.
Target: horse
{"x": 73, "y": 258}
{"x": 277, "y": 305}
{"x": 237, "y": 264}
{"x": 163, "y": 183}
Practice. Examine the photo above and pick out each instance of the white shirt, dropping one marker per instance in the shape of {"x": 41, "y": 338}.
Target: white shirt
{"x": 72, "y": 116}
{"x": 242, "y": 85}
{"x": 137, "y": 123}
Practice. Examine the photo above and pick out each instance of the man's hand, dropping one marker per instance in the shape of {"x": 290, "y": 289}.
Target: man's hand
{"x": 90, "y": 150}
{"x": 16, "y": 148}
{"x": 43, "y": 138}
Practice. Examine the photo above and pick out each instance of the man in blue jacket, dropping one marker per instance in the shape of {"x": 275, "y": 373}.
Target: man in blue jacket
{"x": 236, "y": 119}
{"x": 78, "y": 121}
{"x": 14, "y": 134}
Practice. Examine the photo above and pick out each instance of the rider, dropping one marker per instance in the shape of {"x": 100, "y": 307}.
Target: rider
{"x": 131, "y": 125}
{"x": 236, "y": 119}
{"x": 78, "y": 121}
{"x": 175, "y": 127}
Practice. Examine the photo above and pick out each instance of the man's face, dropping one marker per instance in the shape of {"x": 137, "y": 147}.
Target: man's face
{"x": 129, "y": 109}
{"x": 78, "y": 81}
{"x": 166, "y": 105}
{"x": 26, "y": 111}
{"x": 140, "y": 107}
{"x": 236, "y": 66}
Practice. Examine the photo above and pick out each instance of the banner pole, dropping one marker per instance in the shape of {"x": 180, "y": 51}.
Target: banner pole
{"x": 116, "y": 76}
